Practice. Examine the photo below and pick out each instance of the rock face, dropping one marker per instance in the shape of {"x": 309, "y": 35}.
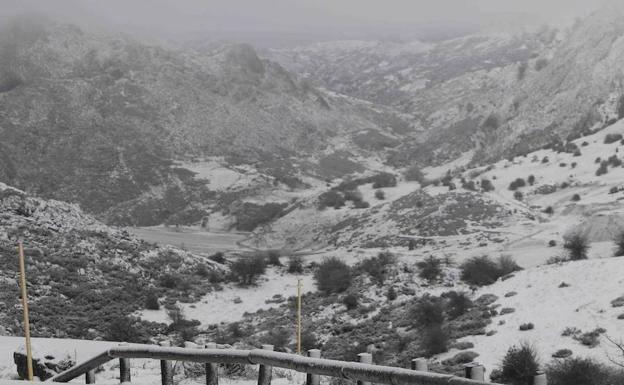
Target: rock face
{"x": 45, "y": 364}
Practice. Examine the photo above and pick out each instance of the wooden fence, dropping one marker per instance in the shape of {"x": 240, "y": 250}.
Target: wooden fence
{"x": 363, "y": 372}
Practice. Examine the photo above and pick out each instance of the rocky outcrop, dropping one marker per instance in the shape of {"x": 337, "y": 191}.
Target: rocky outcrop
{"x": 45, "y": 364}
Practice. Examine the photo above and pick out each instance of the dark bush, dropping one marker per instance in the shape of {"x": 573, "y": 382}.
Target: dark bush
{"x": 522, "y": 68}
{"x": 518, "y": 195}
{"x": 248, "y": 269}
{"x": 531, "y": 179}
{"x": 430, "y": 268}
{"x": 435, "y": 340}
{"x": 383, "y": 179}
{"x": 218, "y": 257}
{"x": 527, "y": 326}
{"x": 576, "y": 245}
{"x": 582, "y": 371}
{"x": 603, "y": 169}
{"x": 379, "y": 194}
{"x": 251, "y": 215}
{"x": 151, "y": 301}
{"x": 377, "y": 267}
{"x": 170, "y": 281}
{"x": 274, "y": 258}
{"x": 413, "y": 174}
{"x": 507, "y": 265}
{"x": 540, "y": 64}
{"x": 350, "y": 301}
{"x": 576, "y": 198}
{"x": 469, "y": 185}
{"x": 332, "y": 275}
{"x": 428, "y": 311}
{"x": 458, "y": 304}
{"x": 391, "y": 295}
{"x": 549, "y": 210}
{"x": 202, "y": 270}
{"x": 619, "y": 244}
{"x": 519, "y": 365}
{"x": 354, "y": 196}
{"x": 486, "y": 185}
{"x": 123, "y": 329}
{"x": 295, "y": 264}
{"x": 614, "y": 161}
{"x": 309, "y": 340}
{"x": 482, "y": 271}
{"x": 278, "y": 337}
{"x": 516, "y": 184}
{"x": 612, "y": 138}
{"x": 331, "y": 198}
{"x": 562, "y": 353}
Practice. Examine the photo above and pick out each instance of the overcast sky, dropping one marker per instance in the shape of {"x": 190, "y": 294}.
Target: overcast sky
{"x": 301, "y": 19}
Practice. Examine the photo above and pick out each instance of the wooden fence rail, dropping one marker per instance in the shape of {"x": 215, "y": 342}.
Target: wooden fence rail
{"x": 363, "y": 372}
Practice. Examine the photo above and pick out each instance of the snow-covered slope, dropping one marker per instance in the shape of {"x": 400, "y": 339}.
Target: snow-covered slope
{"x": 585, "y": 304}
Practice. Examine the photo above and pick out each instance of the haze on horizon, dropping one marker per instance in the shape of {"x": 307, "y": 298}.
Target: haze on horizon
{"x": 284, "y": 22}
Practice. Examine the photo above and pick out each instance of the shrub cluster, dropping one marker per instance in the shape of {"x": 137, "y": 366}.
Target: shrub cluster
{"x": 519, "y": 366}
{"x": 576, "y": 245}
{"x": 377, "y": 267}
{"x": 332, "y": 275}
{"x": 483, "y": 270}
{"x": 516, "y": 184}
{"x": 612, "y": 138}
{"x": 413, "y": 174}
{"x": 486, "y": 185}
{"x": 247, "y": 270}
{"x": 295, "y": 264}
{"x": 430, "y": 268}
{"x": 582, "y": 371}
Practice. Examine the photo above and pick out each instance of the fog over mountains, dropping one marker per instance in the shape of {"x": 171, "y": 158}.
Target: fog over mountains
{"x": 174, "y": 176}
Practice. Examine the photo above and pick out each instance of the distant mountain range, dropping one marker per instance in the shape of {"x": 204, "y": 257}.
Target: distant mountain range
{"x": 104, "y": 120}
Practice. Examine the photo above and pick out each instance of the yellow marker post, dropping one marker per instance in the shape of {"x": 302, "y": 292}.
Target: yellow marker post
{"x": 299, "y": 316}
{"x": 22, "y": 266}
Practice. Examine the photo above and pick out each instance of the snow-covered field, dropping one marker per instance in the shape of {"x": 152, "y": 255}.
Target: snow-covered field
{"x": 585, "y": 304}
{"x": 231, "y": 303}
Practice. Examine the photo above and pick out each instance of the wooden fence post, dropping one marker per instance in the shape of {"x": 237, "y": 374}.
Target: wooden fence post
{"x": 212, "y": 370}
{"x": 265, "y": 371}
{"x": 540, "y": 379}
{"x": 365, "y": 358}
{"x": 124, "y": 370}
{"x": 420, "y": 364}
{"x": 90, "y": 377}
{"x": 166, "y": 372}
{"x": 313, "y": 379}
{"x": 475, "y": 371}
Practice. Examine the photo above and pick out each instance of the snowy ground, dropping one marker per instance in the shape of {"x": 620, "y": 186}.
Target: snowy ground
{"x": 585, "y": 304}
{"x": 231, "y": 303}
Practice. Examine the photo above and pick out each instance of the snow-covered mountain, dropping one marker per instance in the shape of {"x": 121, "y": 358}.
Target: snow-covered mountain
{"x": 98, "y": 119}
{"x": 496, "y": 93}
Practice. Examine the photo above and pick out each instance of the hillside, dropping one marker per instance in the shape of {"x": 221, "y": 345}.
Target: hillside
{"x": 493, "y": 93}
{"x": 84, "y": 276}
{"x": 99, "y": 119}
